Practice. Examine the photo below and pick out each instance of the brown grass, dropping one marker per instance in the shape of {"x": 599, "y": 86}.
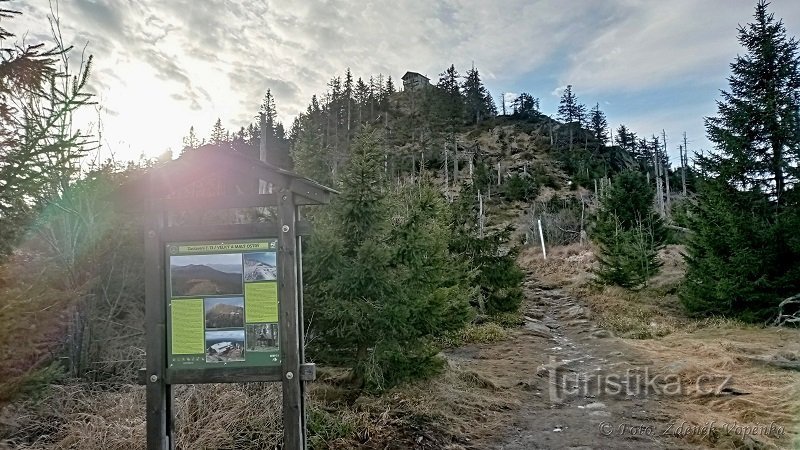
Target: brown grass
{"x": 437, "y": 413}
{"x": 767, "y": 395}
{"x": 34, "y": 314}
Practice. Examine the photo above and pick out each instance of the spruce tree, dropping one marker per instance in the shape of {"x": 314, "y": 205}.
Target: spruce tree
{"x": 525, "y": 106}
{"x": 380, "y": 291}
{"x": 450, "y": 103}
{"x": 491, "y": 256}
{"x": 269, "y": 111}
{"x": 40, "y": 145}
{"x": 478, "y": 102}
{"x": 628, "y": 232}
{"x": 599, "y": 125}
{"x": 217, "y": 133}
{"x": 570, "y": 111}
{"x": 744, "y": 256}
{"x": 190, "y": 141}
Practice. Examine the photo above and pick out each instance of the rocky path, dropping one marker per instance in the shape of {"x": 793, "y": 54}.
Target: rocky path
{"x": 582, "y": 387}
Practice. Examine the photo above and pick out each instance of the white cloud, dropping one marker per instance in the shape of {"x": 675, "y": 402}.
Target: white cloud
{"x": 162, "y": 66}
{"x": 650, "y": 43}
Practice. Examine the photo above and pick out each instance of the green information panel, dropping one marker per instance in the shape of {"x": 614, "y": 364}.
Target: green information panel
{"x": 223, "y": 304}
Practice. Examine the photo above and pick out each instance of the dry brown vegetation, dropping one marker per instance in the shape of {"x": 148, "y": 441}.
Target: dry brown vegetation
{"x": 652, "y": 320}
{"x": 34, "y": 315}
{"x": 433, "y": 414}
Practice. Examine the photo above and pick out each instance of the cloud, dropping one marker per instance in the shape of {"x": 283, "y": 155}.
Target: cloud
{"x": 646, "y": 44}
{"x": 166, "y": 65}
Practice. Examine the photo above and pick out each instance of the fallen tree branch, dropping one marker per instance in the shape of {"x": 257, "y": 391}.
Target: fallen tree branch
{"x": 784, "y": 318}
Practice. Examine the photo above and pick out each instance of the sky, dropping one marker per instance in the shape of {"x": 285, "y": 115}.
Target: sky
{"x": 163, "y": 66}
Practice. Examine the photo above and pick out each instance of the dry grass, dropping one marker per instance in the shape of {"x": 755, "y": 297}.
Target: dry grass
{"x": 764, "y": 395}
{"x": 437, "y": 413}
{"x": 33, "y": 318}
{"x": 77, "y": 416}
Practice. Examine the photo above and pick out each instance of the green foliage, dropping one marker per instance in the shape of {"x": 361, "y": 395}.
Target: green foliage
{"x": 598, "y": 125}
{"x": 520, "y": 187}
{"x": 628, "y": 232}
{"x": 483, "y": 333}
{"x": 39, "y": 144}
{"x": 36, "y": 384}
{"x": 742, "y": 259}
{"x": 525, "y": 106}
{"x": 478, "y": 103}
{"x": 569, "y": 109}
{"x": 449, "y": 103}
{"x": 744, "y": 253}
{"x": 329, "y": 426}
{"x": 498, "y": 275}
{"x": 508, "y": 319}
{"x": 380, "y": 291}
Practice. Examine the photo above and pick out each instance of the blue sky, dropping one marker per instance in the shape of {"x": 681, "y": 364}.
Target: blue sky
{"x": 161, "y": 66}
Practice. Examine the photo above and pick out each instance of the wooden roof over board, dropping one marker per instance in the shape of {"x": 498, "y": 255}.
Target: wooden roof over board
{"x": 161, "y": 186}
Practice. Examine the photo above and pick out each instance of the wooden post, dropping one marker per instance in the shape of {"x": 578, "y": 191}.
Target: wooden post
{"x": 160, "y": 424}
{"x": 498, "y": 173}
{"x": 293, "y": 427}
{"x": 301, "y": 322}
{"x": 541, "y": 238}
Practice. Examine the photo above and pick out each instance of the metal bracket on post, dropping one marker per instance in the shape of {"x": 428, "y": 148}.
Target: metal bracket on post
{"x": 308, "y": 372}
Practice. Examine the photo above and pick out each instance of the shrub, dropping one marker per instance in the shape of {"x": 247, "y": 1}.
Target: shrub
{"x": 628, "y": 232}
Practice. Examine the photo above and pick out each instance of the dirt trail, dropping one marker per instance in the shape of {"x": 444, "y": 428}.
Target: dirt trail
{"x": 578, "y": 386}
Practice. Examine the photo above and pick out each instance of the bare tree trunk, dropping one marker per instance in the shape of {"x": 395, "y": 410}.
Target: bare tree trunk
{"x": 446, "y": 173}
{"x": 480, "y": 214}
{"x": 455, "y": 162}
{"x": 684, "y": 160}
{"x": 666, "y": 173}
{"x": 659, "y": 192}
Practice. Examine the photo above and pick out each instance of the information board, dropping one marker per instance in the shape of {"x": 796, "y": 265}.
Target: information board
{"x": 222, "y": 304}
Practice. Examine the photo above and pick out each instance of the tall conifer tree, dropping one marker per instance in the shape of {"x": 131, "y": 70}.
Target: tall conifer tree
{"x": 744, "y": 255}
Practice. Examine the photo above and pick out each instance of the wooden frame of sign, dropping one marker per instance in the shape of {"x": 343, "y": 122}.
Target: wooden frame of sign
{"x": 272, "y": 250}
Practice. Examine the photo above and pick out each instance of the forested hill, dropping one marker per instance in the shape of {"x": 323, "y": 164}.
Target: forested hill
{"x": 422, "y": 127}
